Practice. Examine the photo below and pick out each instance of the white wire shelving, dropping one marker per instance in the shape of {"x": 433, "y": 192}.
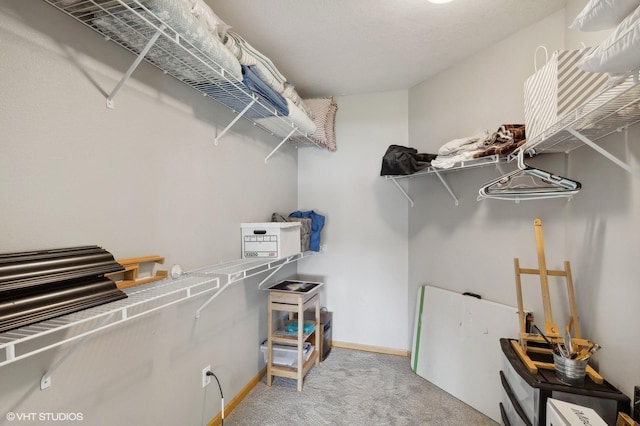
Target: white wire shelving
{"x": 139, "y": 30}
{"x": 79, "y": 326}
{"x": 610, "y": 111}
{"x": 237, "y": 270}
{"x": 495, "y": 160}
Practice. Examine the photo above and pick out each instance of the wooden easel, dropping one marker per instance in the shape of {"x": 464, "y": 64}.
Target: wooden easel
{"x": 551, "y": 329}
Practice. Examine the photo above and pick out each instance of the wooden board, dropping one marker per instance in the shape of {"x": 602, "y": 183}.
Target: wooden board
{"x": 130, "y": 277}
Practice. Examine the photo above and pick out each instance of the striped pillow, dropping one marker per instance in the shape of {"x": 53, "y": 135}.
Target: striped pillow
{"x": 324, "y": 112}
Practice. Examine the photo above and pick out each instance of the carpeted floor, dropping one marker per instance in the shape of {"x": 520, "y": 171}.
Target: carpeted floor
{"x": 355, "y": 388}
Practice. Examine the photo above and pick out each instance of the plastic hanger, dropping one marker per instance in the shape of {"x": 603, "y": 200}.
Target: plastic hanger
{"x": 529, "y": 183}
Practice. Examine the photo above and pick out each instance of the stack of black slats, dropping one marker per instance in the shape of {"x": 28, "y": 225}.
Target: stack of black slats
{"x": 39, "y": 285}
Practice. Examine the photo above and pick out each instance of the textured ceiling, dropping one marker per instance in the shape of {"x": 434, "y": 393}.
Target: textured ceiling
{"x": 344, "y": 47}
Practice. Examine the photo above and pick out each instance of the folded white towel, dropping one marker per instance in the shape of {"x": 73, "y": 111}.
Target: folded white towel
{"x": 463, "y": 144}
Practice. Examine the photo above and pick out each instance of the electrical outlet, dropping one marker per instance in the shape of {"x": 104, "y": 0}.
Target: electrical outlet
{"x": 206, "y": 379}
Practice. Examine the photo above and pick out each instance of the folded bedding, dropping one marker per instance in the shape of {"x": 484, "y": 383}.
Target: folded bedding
{"x": 179, "y": 16}
{"x": 269, "y": 108}
{"x": 211, "y": 22}
{"x": 248, "y": 55}
{"x": 118, "y": 30}
{"x": 296, "y": 116}
{"x": 263, "y": 67}
{"x": 234, "y": 96}
{"x": 125, "y": 27}
{"x": 464, "y": 144}
{"x": 253, "y": 82}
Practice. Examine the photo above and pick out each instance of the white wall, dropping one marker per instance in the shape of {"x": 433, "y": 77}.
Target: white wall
{"x": 143, "y": 178}
{"x": 602, "y": 242}
{"x": 365, "y": 264}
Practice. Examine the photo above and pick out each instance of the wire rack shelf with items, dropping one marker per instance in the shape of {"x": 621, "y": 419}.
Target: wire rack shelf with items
{"x": 495, "y": 160}
{"x": 78, "y": 327}
{"x": 234, "y": 271}
{"x": 162, "y": 33}
{"x": 610, "y": 111}
{"x": 23, "y": 342}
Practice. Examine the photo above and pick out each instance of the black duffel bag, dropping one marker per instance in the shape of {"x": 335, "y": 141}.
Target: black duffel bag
{"x": 403, "y": 160}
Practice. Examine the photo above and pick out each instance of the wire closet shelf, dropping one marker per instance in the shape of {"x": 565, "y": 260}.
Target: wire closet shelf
{"x": 138, "y": 29}
{"x": 75, "y": 328}
{"x": 471, "y": 163}
{"x": 610, "y": 111}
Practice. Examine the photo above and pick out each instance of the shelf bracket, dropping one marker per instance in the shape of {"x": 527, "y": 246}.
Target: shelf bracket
{"x": 604, "y": 152}
{"x": 270, "y": 275}
{"x": 446, "y": 185}
{"x": 224, "y": 287}
{"x": 45, "y": 381}
{"x": 133, "y": 67}
{"x": 10, "y": 352}
{"x": 407, "y": 196}
{"x": 280, "y": 144}
{"x": 241, "y": 276}
{"x": 236, "y": 118}
{"x": 212, "y": 298}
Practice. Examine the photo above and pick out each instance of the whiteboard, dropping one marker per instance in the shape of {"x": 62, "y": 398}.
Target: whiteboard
{"x": 456, "y": 345}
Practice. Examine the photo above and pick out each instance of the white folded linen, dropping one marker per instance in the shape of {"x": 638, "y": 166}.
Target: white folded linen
{"x": 296, "y": 116}
{"x": 463, "y": 144}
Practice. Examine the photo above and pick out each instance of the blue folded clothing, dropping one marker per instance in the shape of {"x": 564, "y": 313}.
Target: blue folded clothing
{"x": 256, "y": 84}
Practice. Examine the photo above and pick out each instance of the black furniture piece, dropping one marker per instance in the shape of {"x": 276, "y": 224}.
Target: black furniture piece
{"x": 524, "y": 398}
{"x": 326, "y": 319}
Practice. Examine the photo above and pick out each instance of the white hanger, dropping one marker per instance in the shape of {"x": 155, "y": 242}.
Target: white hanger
{"x": 528, "y": 183}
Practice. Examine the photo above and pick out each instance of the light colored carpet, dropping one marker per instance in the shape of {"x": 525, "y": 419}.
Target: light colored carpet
{"x": 355, "y": 388}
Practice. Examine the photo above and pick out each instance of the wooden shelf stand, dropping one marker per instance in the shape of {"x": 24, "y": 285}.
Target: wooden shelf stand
{"x": 295, "y": 304}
